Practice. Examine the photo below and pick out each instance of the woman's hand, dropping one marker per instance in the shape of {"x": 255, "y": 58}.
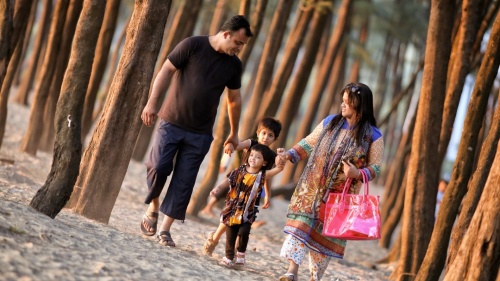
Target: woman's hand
{"x": 350, "y": 170}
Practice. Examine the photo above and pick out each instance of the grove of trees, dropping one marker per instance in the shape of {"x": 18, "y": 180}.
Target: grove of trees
{"x": 85, "y": 68}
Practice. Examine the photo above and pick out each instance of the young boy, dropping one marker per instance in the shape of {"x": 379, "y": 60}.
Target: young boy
{"x": 268, "y": 131}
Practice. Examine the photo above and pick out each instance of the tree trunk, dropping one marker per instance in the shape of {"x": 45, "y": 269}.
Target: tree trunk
{"x": 182, "y": 27}
{"x": 35, "y": 126}
{"x": 290, "y": 107}
{"x": 461, "y": 67}
{"x": 255, "y": 23}
{"x": 423, "y": 171}
{"x": 7, "y": 83}
{"x": 219, "y": 16}
{"x": 47, "y": 139}
{"x": 113, "y": 64}
{"x": 294, "y": 43}
{"x": 381, "y": 85}
{"x": 475, "y": 188}
{"x": 106, "y": 158}
{"x": 479, "y": 254}
{"x": 56, "y": 191}
{"x": 363, "y": 35}
{"x": 26, "y": 42}
{"x": 101, "y": 59}
{"x": 28, "y": 79}
{"x": 266, "y": 65}
{"x": 456, "y": 189}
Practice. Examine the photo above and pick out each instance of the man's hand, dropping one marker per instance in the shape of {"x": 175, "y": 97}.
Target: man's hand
{"x": 148, "y": 115}
{"x": 229, "y": 149}
{"x": 232, "y": 139}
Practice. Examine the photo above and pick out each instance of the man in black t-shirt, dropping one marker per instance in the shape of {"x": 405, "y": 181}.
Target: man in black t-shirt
{"x": 201, "y": 68}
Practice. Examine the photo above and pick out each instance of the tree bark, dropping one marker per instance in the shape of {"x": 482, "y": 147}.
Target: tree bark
{"x": 461, "y": 67}
{"x": 101, "y": 59}
{"x": 479, "y": 254}
{"x": 106, "y": 158}
{"x": 255, "y": 24}
{"x": 26, "y": 41}
{"x": 423, "y": 171}
{"x": 266, "y": 65}
{"x": 456, "y": 189}
{"x": 290, "y": 107}
{"x": 37, "y": 53}
{"x": 56, "y": 191}
{"x": 35, "y": 126}
{"x": 48, "y": 133}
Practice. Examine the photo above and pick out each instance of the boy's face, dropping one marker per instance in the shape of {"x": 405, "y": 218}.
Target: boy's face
{"x": 256, "y": 160}
{"x": 265, "y": 136}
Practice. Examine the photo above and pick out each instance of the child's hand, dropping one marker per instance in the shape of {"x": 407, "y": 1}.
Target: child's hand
{"x": 214, "y": 191}
{"x": 228, "y": 148}
{"x": 280, "y": 158}
{"x": 267, "y": 202}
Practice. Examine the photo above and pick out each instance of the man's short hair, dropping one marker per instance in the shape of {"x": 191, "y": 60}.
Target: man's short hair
{"x": 236, "y": 23}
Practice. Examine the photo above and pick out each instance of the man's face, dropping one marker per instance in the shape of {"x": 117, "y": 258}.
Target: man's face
{"x": 235, "y": 41}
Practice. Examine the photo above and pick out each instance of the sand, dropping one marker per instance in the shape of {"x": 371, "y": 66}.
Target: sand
{"x": 71, "y": 247}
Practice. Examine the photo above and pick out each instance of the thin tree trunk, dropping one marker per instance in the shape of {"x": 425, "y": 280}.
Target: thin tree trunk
{"x": 37, "y": 53}
{"x": 106, "y": 158}
{"x": 56, "y": 191}
{"x": 7, "y": 83}
{"x": 219, "y": 16}
{"x": 363, "y": 35}
{"x": 475, "y": 188}
{"x": 461, "y": 67}
{"x": 46, "y": 142}
{"x": 255, "y": 23}
{"x": 113, "y": 64}
{"x": 101, "y": 59}
{"x": 423, "y": 171}
{"x": 393, "y": 219}
{"x": 26, "y": 42}
{"x": 266, "y": 65}
{"x": 456, "y": 189}
{"x": 35, "y": 126}
{"x": 294, "y": 43}
{"x": 290, "y": 106}
{"x": 382, "y": 76}
{"x": 479, "y": 254}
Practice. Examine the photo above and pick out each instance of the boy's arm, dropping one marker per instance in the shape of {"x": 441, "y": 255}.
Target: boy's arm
{"x": 229, "y": 149}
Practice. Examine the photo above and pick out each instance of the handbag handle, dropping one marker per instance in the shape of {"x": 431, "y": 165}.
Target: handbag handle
{"x": 348, "y": 183}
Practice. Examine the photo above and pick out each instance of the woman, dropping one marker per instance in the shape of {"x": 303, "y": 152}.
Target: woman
{"x": 338, "y": 148}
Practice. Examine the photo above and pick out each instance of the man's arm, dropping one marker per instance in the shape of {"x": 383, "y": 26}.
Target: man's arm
{"x": 148, "y": 115}
{"x": 234, "y": 109}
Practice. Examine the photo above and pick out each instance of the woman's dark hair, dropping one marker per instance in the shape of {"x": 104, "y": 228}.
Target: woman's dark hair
{"x": 267, "y": 154}
{"x": 361, "y": 99}
{"x": 236, "y": 23}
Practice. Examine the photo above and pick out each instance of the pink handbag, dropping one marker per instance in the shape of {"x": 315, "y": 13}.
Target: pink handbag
{"x": 352, "y": 216}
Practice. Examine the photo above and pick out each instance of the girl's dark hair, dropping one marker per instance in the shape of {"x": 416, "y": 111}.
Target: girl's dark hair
{"x": 267, "y": 154}
{"x": 361, "y": 99}
{"x": 236, "y": 23}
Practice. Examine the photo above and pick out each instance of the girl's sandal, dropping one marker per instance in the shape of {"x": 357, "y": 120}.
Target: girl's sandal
{"x": 240, "y": 260}
{"x": 226, "y": 262}
{"x": 166, "y": 239}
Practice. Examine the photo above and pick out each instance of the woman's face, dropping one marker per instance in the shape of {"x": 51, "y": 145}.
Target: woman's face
{"x": 348, "y": 110}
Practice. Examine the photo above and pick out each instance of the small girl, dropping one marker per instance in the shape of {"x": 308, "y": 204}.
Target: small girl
{"x": 246, "y": 184}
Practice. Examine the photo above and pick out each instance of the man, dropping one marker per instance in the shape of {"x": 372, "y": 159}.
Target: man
{"x": 202, "y": 67}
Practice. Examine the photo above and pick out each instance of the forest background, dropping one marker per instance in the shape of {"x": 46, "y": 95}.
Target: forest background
{"x": 85, "y": 69}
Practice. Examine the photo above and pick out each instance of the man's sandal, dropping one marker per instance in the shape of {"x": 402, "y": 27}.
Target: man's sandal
{"x": 287, "y": 277}
{"x": 166, "y": 239}
{"x": 150, "y": 219}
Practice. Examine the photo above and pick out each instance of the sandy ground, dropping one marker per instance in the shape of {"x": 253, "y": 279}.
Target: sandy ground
{"x": 71, "y": 247}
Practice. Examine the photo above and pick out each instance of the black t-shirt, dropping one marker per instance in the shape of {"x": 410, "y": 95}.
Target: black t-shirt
{"x": 201, "y": 77}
